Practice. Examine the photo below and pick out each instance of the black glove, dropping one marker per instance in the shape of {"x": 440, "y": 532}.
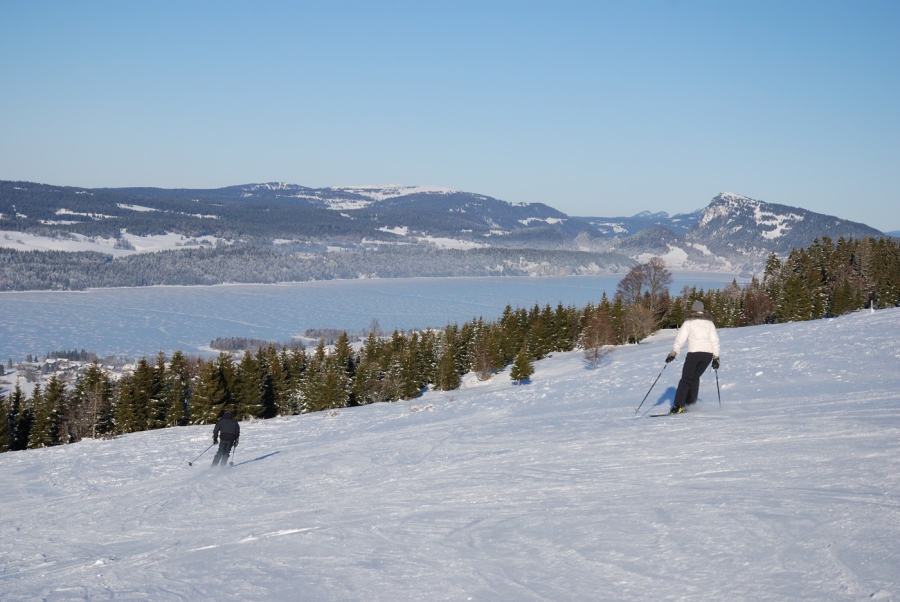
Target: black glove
{"x": 215, "y": 440}
{"x": 715, "y": 363}
{"x": 670, "y": 357}
{"x": 235, "y": 442}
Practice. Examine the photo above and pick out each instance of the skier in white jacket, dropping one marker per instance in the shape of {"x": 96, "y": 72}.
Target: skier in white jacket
{"x": 703, "y": 347}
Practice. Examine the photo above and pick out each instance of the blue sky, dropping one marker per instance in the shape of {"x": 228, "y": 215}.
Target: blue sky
{"x": 595, "y": 108}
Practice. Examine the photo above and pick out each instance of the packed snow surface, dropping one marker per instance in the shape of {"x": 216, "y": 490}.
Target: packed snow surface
{"x": 553, "y": 490}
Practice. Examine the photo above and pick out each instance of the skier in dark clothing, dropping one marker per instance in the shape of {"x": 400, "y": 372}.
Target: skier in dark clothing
{"x": 229, "y": 431}
{"x": 700, "y": 333}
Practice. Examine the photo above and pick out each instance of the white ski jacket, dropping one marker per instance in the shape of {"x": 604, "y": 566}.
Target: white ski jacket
{"x": 700, "y": 333}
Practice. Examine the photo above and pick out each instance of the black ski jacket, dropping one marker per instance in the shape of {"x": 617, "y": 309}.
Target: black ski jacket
{"x": 228, "y": 429}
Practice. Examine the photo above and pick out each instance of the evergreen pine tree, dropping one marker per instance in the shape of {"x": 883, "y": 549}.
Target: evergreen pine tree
{"x": 247, "y": 386}
{"x": 617, "y": 315}
{"x": 336, "y": 387}
{"x": 326, "y": 385}
{"x": 313, "y": 389}
{"x": 14, "y": 404}
{"x": 772, "y": 278}
{"x": 539, "y": 339}
{"x": 409, "y": 384}
{"x": 124, "y": 418}
{"x": 280, "y": 365}
{"x": 677, "y": 313}
{"x": 159, "y": 401}
{"x": 25, "y": 420}
{"x": 267, "y": 395}
{"x": 366, "y": 376}
{"x": 512, "y": 332}
{"x": 605, "y": 307}
{"x": 178, "y": 381}
{"x": 465, "y": 347}
{"x": 48, "y": 415}
{"x": 4, "y": 424}
{"x": 289, "y": 400}
{"x": 93, "y": 396}
{"x": 864, "y": 268}
{"x": 447, "y": 377}
{"x": 213, "y": 392}
{"x": 143, "y": 396}
{"x": 564, "y": 321}
{"x": 843, "y": 298}
{"x": 426, "y": 357}
{"x": 522, "y": 367}
{"x": 886, "y": 273}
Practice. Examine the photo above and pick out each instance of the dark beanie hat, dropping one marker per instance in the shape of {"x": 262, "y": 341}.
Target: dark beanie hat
{"x": 697, "y": 306}
{"x": 227, "y": 414}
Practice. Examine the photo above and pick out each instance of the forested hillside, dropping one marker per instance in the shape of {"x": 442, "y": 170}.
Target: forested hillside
{"x": 58, "y": 270}
{"x": 262, "y": 213}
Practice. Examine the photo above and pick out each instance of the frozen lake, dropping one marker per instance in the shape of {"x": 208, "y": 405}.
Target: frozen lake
{"x": 142, "y": 321}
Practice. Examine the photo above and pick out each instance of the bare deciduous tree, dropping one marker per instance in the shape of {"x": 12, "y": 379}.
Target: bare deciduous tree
{"x": 631, "y": 287}
{"x": 484, "y": 359}
{"x": 597, "y": 340}
{"x": 639, "y": 322}
{"x": 757, "y": 309}
{"x": 658, "y": 279}
{"x": 646, "y": 284}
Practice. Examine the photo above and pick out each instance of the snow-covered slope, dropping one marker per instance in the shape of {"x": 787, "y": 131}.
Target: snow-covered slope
{"x": 553, "y": 490}
{"x": 126, "y": 244}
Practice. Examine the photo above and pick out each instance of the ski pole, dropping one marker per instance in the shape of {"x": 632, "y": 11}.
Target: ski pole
{"x": 651, "y": 388}
{"x": 717, "y": 387}
{"x": 191, "y": 463}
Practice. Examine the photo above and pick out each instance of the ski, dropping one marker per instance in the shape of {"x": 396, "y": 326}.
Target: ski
{"x": 666, "y": 414}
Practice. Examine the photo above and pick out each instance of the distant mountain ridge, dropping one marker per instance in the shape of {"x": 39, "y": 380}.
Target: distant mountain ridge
{"x": 495, "y": 214}
{"x": 472, "y": 213}
{"x": 733, "y": 223}
{"x": 732, "y": 233}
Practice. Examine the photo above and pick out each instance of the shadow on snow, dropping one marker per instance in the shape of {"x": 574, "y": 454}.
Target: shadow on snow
{"x": 257, "y": 459}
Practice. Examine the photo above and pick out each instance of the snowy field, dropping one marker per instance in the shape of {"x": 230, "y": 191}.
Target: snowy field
{"x": 553, "y": 490}
{"x": 22, "y": 241}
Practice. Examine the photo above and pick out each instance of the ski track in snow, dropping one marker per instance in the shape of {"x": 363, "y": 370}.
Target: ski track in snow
{"x": 554, "y": 490}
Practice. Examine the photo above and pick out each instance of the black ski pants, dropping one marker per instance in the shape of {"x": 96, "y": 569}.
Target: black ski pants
{"x": 223, "y": 453}
{"x": 695, "y": 364}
